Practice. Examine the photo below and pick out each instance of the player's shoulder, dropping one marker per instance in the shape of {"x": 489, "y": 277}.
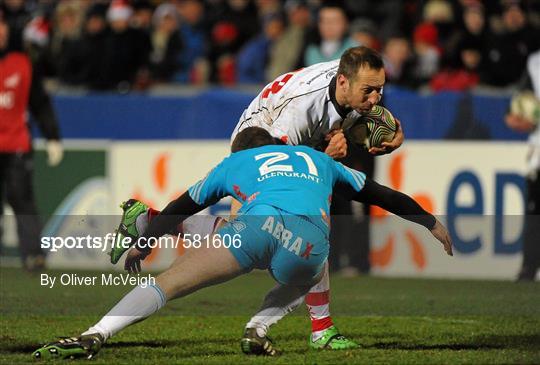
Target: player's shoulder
{"x": 322, "y": 68}
{"x": 313, "y": 78}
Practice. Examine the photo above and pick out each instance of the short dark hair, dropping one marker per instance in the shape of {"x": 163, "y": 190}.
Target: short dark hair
{"x": 356, "y": 57}
{"x": 251, "y": 137}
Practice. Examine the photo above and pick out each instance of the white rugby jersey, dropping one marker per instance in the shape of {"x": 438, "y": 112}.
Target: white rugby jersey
{"x": 533, "y": 66}
{"x": 298, "y": 107}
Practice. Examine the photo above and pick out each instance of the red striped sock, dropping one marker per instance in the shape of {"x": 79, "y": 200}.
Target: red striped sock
{"x": 318, "y": 308}
{"x": 318, "y": 303}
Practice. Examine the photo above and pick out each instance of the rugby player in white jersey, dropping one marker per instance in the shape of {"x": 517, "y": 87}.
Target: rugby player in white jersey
{"x": 312, "y": 106}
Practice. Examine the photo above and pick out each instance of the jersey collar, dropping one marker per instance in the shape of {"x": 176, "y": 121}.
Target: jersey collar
{"x": 342, "y": 111}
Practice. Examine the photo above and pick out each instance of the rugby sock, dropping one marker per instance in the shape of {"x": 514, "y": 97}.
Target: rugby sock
{"x": 318, "y": 305}
{"x": 137, "y": 305}
{"x": 200, "y": 224}
{"x": 279, "y": 301}
{"x": 143, "y": 219}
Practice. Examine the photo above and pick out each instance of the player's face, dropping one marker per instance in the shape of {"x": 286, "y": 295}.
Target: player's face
{"x": 366, "y": 90}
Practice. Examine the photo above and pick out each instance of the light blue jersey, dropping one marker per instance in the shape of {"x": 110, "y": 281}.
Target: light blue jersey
{"x": 295, "y": 179}
{"x": 286, "y": 193}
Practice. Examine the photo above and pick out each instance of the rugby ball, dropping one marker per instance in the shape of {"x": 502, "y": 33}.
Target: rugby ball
{"x": 374, "y": 128}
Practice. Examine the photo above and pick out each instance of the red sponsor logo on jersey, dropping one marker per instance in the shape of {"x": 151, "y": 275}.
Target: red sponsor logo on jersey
{"x": 243, "y": 196}
{"x": 239, "y": 193}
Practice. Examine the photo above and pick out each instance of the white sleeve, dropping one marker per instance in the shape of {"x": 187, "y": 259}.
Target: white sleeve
{"x": 533, "y": 65}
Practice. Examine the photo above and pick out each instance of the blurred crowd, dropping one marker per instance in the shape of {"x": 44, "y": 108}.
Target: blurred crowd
{"x": 130, "y": 45}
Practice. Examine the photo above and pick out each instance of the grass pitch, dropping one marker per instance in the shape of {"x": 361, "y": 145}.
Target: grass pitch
{"x": 396, "y": 321}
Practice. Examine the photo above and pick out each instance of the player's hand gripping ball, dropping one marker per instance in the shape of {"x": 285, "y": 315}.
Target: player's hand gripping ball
{"x": 527, "y": 106}
{"x": 376, "y": 127}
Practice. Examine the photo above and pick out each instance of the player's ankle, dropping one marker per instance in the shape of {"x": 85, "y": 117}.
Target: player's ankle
{"x": 316, "y": 335}
{"x": 261, "y": 329}
{"x": 319, "y": 326}
{"x": 95, "y": 330}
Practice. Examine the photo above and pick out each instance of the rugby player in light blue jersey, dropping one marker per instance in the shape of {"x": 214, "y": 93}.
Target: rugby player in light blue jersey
{"x": 282, "y": 227}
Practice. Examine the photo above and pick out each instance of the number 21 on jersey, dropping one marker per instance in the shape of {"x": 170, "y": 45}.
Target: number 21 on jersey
{"x": 270, "y": 165}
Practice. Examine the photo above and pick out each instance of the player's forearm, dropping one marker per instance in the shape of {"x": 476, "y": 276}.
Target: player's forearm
{"x": 41, "y": 108}
{"x": 169, "y": 218}
{"x": 395, "y": 202}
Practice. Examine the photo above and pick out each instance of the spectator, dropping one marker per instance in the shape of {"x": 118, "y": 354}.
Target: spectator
{"x": 93, "y": 44}
{"x": 36, "y": 42}
{"x": 334, "y": 39}
{"x": 66, "y": 46}
{"x": 427, "y": 52}
{"x": 193, "y": 26}
{"x": 143, "y": 12}
{"x": 166, "y": 43}
{"x": 441, "y": 15}
{"x": 474, "y": 31}
{"x": 252, "y": 59}
{"x": 287, "y": 52}
{"x": 506, "y": 53}
{"x": 232, "y": 29}
{"x": 398, "y": 61}
{"x": 363, "y": 32}
{"x": 21, "y": 90}
{"x": 389, "y": 15}
{"x": 463, "y": 76}
{"x": 125, "y": 56}
{"x": 222, "y": 54}
{"x": 16, "y": 14}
